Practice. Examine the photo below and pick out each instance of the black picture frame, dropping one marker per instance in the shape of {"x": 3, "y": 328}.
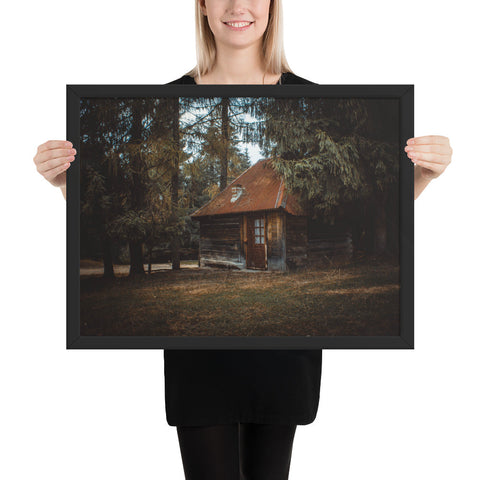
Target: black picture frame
{"x": 405, "y": 96}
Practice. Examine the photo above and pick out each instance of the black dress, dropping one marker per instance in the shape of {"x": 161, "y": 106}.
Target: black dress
{"x": 211, "y": 387}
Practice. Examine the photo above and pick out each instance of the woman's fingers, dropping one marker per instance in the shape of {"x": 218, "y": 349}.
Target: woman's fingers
{"x": 435, "y": 167}
{"x": 54, "y": 172}
{"x": 430, "y": 157}
{"x": 56, "y": 153}
{"x": 52, "y": 144}
{"x": 46, "y": 155}
{"x": 442, "y": 149}
{"x": 432, "y": 153}
{"x": 48, "y": 165}
{"x": 429, "y": 139}
{"x": 53, "y": 158}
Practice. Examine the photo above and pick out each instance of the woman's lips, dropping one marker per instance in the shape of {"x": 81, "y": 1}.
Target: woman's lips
{"x": 238, "y": 26}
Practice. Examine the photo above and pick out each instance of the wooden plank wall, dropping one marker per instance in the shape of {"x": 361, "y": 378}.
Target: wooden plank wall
{"x": 220, "y": 241}
{"x": 297, "y": 241}
{"x": 312, "y": 243}
{"x": 276, "y": 245}
{"x": 292, "y": 242}
{"x": 328, "y": 243}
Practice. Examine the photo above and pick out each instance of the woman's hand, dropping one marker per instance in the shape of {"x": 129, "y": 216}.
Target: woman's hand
{"x": 431, "y": 155}
{"x": 53, "y": 159}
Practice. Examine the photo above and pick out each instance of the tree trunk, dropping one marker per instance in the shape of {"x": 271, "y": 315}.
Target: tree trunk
{"x": 224, "y": 159}
{"x": 380, "y": 246}
{"x": 107, "y": 258}
{"x": 136, "y": 258}
{"x": 137, "y": 190}
{"x": 367, "y": 227}
{"x": 175, "y": 241}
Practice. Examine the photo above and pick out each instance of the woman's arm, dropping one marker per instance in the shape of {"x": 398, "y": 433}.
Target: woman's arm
{"x": 431, "y": 155}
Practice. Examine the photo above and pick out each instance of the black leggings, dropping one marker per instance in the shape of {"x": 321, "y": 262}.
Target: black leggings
{"x": 240, "y": 451}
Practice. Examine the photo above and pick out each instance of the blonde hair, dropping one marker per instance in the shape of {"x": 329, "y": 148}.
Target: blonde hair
{"x": 272, "y": 47}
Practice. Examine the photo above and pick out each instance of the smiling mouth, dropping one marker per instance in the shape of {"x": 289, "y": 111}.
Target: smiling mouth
{"x": 238, "y": 24}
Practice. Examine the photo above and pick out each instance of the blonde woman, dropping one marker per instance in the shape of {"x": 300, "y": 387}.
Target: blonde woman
{"x": 236, "y": 412}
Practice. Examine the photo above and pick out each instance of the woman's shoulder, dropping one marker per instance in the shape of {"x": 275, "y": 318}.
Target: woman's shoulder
{"x": 291, "y": 78}
{"x": 184, "y": 80}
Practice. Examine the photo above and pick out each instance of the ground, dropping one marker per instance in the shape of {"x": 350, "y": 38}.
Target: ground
{"x": 356, "y": 299}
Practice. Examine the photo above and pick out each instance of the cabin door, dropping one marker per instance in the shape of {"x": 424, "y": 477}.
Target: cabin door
{"x": 256, "y": 242}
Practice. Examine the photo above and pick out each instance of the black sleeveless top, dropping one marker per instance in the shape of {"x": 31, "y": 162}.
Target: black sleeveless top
{"x": 210, "y": 387}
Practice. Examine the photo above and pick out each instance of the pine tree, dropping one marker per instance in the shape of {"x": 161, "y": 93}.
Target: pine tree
{"x": 329, "y": 155}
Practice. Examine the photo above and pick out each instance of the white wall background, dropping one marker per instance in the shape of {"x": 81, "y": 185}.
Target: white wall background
{"x": 100, "y": 414}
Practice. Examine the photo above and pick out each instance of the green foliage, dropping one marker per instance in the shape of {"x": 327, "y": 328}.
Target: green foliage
{"x": 329, "y": 151}
{"x": 129, "y": 226}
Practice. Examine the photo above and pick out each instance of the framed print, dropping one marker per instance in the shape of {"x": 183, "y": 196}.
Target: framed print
{"x": 240, "y": 216}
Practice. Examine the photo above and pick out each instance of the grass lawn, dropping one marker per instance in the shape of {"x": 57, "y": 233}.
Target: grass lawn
{"x": 350, "y": 300}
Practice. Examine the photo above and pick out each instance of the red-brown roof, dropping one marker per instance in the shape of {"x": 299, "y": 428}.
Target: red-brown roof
{"x": 262, "y": 189}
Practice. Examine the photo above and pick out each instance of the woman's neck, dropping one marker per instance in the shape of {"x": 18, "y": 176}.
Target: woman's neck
{"x": 238, "y": 66}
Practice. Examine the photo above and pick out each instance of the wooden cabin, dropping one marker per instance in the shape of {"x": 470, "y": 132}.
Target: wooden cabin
{"x": 255, "y": 224}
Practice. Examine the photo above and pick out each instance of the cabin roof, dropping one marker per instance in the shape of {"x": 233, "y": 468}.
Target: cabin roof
{"x": 262, "y": 189}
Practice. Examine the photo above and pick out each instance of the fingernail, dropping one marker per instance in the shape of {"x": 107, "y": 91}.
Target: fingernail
{"x": 73, "y": 151}
{"x": 410, "y": 141}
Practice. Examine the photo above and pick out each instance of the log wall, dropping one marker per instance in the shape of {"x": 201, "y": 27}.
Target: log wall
{"x": 297, "y": 241}
{"x": 293, "y": 242}
{"x": 220, "y": 241}
{"x": 328, "y": 243}
{"x": 312, "y": 243}
{"x": 276, "y": 245}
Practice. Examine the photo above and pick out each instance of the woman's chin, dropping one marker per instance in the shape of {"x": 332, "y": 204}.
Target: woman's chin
{"x": 240, "y": 43}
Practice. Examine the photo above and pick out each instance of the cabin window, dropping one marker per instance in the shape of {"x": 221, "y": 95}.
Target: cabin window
{"x": 259, "y": 231}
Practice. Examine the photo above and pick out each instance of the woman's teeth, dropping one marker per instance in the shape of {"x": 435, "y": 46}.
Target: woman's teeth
{"x": 239, "y": 24}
